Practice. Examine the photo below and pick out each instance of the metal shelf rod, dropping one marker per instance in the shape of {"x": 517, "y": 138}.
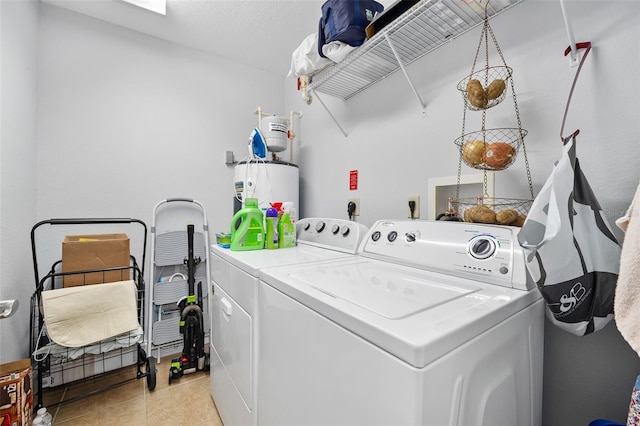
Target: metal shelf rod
{"x": 329, "y": 112}
{"x": 413, "y": 88}
{"x": 574, "y": 57}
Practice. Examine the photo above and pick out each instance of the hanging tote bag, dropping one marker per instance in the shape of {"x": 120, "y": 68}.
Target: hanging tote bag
{"x": 572, "y": 253}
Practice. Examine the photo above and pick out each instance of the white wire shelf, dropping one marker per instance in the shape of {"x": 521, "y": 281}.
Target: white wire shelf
{"x": 429, "y": 24}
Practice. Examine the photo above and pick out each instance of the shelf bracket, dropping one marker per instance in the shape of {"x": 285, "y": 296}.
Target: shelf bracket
{"x": 415, "y": 92}
{"x": 329, "y": 112}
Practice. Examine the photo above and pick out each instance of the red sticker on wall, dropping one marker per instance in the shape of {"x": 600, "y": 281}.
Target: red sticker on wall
{"x": 353, "y": 180}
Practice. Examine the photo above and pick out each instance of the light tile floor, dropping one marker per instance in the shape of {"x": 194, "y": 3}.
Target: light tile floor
{"x": 187, "y": 401}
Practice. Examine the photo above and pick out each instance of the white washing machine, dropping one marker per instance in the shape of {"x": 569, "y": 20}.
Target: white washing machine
{"x": 234, "y": 320}
{"x": 434, "y": 323}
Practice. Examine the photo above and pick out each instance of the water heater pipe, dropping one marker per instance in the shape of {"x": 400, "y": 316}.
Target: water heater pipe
{"x": 292, "y": 134}
{"x": 258, "y": 111}
{"x": 262, "y": 114}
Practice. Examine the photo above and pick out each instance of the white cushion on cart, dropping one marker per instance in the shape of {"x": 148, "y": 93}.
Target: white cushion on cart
{"x": 78, "y": 316}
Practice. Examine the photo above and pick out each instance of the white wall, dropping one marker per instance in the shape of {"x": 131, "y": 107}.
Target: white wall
{"x": 397, "y": 151}
{"x": 122, "y": 121}
{"x": 141, "y": 118}
{"x": 18, "y": 108}
{"x": 126, "y": 120}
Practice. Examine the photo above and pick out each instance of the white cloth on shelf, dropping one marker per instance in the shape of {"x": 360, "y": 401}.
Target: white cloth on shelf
{"x": 306, "y": 60}
{"x": 337, "y": 50}
{"x": 64, "y": 353}
{"x": 627, "y": 297}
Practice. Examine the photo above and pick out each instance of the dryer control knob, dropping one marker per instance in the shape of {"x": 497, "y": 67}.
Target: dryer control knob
{"x": 335, "y": 229}
{"x": 392, "y": 236}
{"x": 345, "y": 230}
{"x": 307, "y": 226}
{"x": 482, "y": 247}
{"x": 320, "y": 226}
{"x": 410, "y": 236}
{"x": 375, "y": 236}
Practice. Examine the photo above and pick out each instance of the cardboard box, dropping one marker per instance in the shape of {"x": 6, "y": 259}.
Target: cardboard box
{"x": 92, "y": 252}
{"x": 16, "y": 395}
{"x": 387, "y": 16}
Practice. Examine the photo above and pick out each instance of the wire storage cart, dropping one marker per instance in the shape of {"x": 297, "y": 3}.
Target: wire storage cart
{"x": 169, "y": 250}
{"x": 60, "y": 309}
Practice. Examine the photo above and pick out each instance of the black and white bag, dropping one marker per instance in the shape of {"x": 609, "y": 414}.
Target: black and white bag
{"x": 571, "y": 251}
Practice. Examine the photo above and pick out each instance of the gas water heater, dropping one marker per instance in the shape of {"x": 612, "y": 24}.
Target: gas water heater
{"x": 267, "y": 180}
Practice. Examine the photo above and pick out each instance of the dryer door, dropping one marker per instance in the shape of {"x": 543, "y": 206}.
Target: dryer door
{"x": 232, "y": 373}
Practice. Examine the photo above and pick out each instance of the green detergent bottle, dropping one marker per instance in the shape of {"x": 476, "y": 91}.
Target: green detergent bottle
{"x": 286, "y": 232}
{"x": 247, "y": 231}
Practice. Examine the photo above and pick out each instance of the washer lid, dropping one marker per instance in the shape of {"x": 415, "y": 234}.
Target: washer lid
{"x": 415, "y": 315}
{"x": 383, "y": 292}
{"x": 253, "y": 260}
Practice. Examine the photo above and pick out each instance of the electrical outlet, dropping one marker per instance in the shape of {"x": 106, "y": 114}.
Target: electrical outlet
{"x": 356, "y": 201}
{"x": 416, "y": 211}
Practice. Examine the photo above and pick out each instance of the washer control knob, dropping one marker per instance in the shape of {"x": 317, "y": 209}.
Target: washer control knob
{"x": 504, "y": 270}
{"x": 375, "y": 236}
{"x": 306, "y": 226}
{"x": 482, "y": 247}
{"x": 335, "y": 229}
{"x": 392, "y": 236}
{"x": 320, "y": 226}
{"x": 345, "y": 230}
{"x": 410, "y": 236}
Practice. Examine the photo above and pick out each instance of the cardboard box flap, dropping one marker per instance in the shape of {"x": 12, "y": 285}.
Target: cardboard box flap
{"x": 94, "y": 252}
{"x": 14, "y": 367}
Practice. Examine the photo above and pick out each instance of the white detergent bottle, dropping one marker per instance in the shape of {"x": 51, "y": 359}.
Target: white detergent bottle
{"x": 287, "y": 207}
{"x": 47, "y": 420}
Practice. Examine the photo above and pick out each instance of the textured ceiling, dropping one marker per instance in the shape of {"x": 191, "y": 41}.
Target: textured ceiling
{"x": 261, "y": 33}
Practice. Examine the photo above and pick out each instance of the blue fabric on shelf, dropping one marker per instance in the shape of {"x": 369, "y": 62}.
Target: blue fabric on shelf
{"x": 602, "y": 422}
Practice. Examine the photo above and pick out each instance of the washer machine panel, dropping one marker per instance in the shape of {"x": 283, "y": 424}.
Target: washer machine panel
{"x": 316, "y": 372}
{"x": 352, "y": 292}
{"x": 443, "y": 311}
{"x": 488, "y": 253}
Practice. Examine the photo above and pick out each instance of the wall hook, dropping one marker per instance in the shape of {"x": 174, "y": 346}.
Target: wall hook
{"x": 583, "y": 45}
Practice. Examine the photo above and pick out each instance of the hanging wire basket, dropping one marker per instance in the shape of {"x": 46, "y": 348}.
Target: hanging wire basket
{"x": 499, "y": 211}
{"x": 486, "y": 88}
{"x": 491, "y": 149}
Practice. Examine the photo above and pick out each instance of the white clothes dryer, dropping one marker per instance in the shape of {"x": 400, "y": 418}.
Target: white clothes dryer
{"x": 234, "y": 320}
{"x": 434, "y": 323}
